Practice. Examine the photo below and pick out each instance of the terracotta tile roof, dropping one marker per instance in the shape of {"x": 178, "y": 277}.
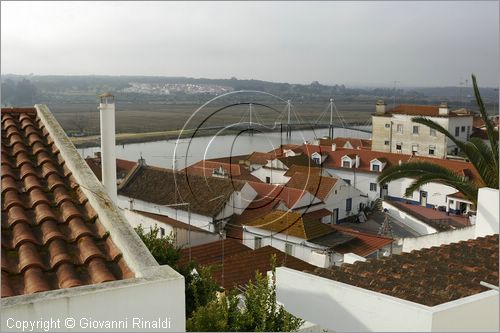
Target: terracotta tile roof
{"x": 211, "y": 253}
{"x": 343, "y": 142}
{"x": 317, "y": 214}
{"x": 304, "y": 169}
{"x": 206, "y": 195}
{"x": 334, "y": 160}
{"x": 280, "y": 150}
{"x": 318, "y": 186}
{"x": 240, "y": 268}
{"x": 288, "y": 195}
{"x": 302, "y": 160}
{"x": 123, "y": 167}
{"x": 172, "y": 222}
{"x": 51, "y": 236}
{"x": 363, "y": 244}
{"x": 458, "y": 195}
{"x": 478, "y": 122}
{"x": 429, "y": 276}
{"x": 291, "y": 223}
{"x": 426, "y": 111}
{"x": 233, "y": 169}
{"x": 260, "y": 206}
{"x": 261, "y": 158}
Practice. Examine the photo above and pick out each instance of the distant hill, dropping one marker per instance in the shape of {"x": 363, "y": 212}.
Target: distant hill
{"x": 27, "y": 90}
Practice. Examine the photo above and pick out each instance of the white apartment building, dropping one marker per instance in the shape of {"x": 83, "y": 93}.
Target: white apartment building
{"x": 394, "y": 131}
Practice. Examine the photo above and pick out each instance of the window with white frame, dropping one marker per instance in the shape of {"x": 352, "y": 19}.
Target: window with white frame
{"x": 399, "y": 128}
{"x": 414, "y": 148}
{"x": 375, "y": 167}
{"x": 289, "y": 249}
{"x": 386, "y": 142}
{"x": 257, "y": 243}
{"x": 399, "y": 146}
{"x": 415, "y": 129}
{"x": 373, "y": 187}
{"x": 346, "y": 164}
{"x": 387, "y": 125}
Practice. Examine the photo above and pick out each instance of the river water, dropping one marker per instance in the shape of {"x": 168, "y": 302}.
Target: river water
{"x": 189, "y": 151}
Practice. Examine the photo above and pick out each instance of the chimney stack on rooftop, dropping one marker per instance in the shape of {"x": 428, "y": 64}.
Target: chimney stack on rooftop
{"x": 443, "y": 109}
{"x": 380, "y": 107}
{"x": 334, "y": 147}
{"x": 108, "y": 142}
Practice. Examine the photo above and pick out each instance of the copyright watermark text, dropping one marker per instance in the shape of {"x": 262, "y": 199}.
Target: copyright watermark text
{"x": 51, "y": 324}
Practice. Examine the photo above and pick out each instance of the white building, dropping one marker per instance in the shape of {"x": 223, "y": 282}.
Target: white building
{"x": 361, "y": 168}
{"x": 303, "y": 236}
{"x": 82, "y": 264}
{"x": 184, "y": 235}
{"x": 204, "y": 202}
{"x": 394, "y": 131}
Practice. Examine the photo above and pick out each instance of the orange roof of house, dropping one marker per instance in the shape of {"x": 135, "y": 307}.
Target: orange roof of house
{"x": 261, "y": 158}
{"x": 292, "y": 224}
{"x": 341, "y": 142}
{"x": 288, "y": 195}
{"x": 123, "y": 167}
{"x": 334, "y": 160}
{"x": 363, "y": 244}
{"x": 318, "y": 186}
{"x": 241, "y": 268}
{"x": 52, "y": 237}
{"x": 429, "y": 276}
{"x": 212, "y": 253}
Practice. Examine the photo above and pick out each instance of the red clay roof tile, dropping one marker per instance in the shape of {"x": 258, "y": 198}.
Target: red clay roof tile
{"x": 50, "y": 238}
{"x": 429, "y": 276}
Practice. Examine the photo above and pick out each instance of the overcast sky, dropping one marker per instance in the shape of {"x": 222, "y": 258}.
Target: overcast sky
{"x": 355, "y": 43}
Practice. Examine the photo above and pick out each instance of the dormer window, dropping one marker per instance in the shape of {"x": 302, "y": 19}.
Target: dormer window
{"x": 317, "y": 160}
{"x": 348, "y": 161}
{"x": 377, "y": 164}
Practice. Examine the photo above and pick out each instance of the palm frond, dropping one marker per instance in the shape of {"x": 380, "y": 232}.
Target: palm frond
{"x": 426, "y": 172}
{"x": 490, "y": 129}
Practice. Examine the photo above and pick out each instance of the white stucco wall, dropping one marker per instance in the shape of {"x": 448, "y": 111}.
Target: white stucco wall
{"x": 436, "y": 193}
{"x": 436, "y": 239}
{"x": 342, "y": 307}
{"x": 148, "y": 298}
{"x": 408, "y": 220}
{"x": 181, "y": 235}
{"x": 487, "y": 217}
{"x": 311, "y": 253}
{"x": 359, "y": 180}
{"x": 276, "y": 176}
{"x": 200, "y": 221}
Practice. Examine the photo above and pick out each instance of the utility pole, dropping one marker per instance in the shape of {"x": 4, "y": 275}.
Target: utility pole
{"x": 288, "y": 127}
{"x": 330, "y": 129}
{"x": 250, "y": 126}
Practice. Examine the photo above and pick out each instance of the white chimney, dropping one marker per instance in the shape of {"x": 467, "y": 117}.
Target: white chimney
{"x": 334, "y": 146}
{"x": 108, "y": 142}
{"x": 443, "y": 109}
{"x": 380, "y": 107}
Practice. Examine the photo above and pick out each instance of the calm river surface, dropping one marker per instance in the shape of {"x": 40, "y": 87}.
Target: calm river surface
{"x": 189, "y": 151}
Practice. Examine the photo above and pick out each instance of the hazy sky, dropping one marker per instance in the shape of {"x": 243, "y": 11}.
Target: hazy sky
{"x": 367, "y": 43}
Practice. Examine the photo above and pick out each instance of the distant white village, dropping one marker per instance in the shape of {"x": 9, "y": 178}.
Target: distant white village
{"x": 169, "y": 88}
{"x": 354, "y": 254}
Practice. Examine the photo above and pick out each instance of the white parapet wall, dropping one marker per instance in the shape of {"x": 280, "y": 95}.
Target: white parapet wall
{"x": 437, "y": 239}
{"x": 342, "y": 307}
{"x": 408, "y": 220}
{"x": 487, "y": 212}
{"x": 152, "y": 303}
